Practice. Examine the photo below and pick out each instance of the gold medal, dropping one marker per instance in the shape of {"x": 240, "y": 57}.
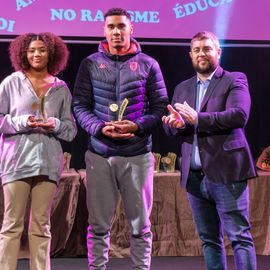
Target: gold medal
{"x": 113, "y": 107}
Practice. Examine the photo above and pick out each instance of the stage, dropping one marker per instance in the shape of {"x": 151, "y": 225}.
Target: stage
{"x": 158, "y": 263}
{"x": 173, "y": 229}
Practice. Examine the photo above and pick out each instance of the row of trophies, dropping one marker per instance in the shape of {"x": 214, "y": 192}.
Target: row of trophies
{"x": 166, "y": 163}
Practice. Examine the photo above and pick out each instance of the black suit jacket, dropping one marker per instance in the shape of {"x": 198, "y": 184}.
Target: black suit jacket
{"x": 224, "y": 112}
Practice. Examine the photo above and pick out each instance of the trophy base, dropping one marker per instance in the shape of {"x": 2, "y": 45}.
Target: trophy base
{"x": 41, "y": 120}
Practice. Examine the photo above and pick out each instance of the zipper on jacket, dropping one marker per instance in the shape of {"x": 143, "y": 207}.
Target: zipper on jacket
{"x": 117, "y": 83}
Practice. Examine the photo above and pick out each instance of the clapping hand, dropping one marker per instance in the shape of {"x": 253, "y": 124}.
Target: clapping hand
{"x": 174, "y": 119}
{"x": 187, "y": 112}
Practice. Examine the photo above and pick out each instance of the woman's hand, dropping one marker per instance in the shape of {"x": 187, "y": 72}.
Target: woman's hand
{"x": 49, "y": 125}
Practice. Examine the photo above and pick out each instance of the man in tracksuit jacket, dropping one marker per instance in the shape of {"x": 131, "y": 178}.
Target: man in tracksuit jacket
{"x": 119, "y": 98}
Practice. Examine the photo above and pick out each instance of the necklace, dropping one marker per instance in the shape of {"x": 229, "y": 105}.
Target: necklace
{"x": 41, "y": 85}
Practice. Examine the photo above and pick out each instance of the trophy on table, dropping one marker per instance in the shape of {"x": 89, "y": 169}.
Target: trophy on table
{"x": 67, "y": 158}
{"x": 168, "y": 162}
{"x": 157, "y": 157}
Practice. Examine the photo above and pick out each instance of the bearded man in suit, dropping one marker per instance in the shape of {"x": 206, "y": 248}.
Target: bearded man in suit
{"x": 209, "y": 113}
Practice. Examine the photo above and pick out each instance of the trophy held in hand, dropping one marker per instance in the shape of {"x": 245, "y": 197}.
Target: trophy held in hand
{"x": 39, "y": 109}
{"x": 116, "y": 112}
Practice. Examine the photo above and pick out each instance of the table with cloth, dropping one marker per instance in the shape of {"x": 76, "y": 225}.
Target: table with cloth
{"x": 173, "y": 229}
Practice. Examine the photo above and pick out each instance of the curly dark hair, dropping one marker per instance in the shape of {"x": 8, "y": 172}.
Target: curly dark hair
{"x": 117, "y": 12}
{"x": 57, "y": 51}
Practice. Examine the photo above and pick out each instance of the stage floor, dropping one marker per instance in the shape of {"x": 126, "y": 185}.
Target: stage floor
{"x": 158, "y": 263}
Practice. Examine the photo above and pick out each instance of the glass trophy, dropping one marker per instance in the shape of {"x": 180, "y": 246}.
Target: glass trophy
{"x": 39, "y": 110}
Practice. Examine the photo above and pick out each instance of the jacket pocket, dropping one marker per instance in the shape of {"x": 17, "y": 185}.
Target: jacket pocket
{"x": 230, "y": 145}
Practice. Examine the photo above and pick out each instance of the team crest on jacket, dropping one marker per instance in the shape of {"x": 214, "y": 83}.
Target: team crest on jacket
{"x": 133, "y": 65}
{"x": 102, "y": 66}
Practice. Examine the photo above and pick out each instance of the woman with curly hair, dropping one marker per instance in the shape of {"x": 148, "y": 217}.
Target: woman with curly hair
{"x": 35, "y": 114}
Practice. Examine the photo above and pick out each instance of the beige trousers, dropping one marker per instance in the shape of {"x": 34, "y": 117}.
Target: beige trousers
{"x": 16, "y": 195}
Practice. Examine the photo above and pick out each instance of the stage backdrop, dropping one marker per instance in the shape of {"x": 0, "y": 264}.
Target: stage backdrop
{"x": 157, "y": 20}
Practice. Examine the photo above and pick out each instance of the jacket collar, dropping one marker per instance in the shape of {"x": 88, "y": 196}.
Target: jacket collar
{"x": 134, "y": 49}
{"x": 215, "y": 79}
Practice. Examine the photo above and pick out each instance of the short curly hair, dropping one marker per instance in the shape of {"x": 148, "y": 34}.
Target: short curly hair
{"x": 117, "y": 12}
{"x": 57, "y": 51}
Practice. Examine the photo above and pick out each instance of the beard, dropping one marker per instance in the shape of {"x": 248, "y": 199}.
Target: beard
{"x": 207, "y": 69}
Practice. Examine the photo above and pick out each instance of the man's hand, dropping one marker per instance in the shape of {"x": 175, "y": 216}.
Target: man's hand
{"x": 120, "y": 129}
{"x": 124, "y": 126}
{"x": 174, "y": 119}
{"x": 187, "y": 112}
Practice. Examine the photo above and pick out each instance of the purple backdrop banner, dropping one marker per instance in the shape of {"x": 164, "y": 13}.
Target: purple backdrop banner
{"x": 155, "y": 19}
